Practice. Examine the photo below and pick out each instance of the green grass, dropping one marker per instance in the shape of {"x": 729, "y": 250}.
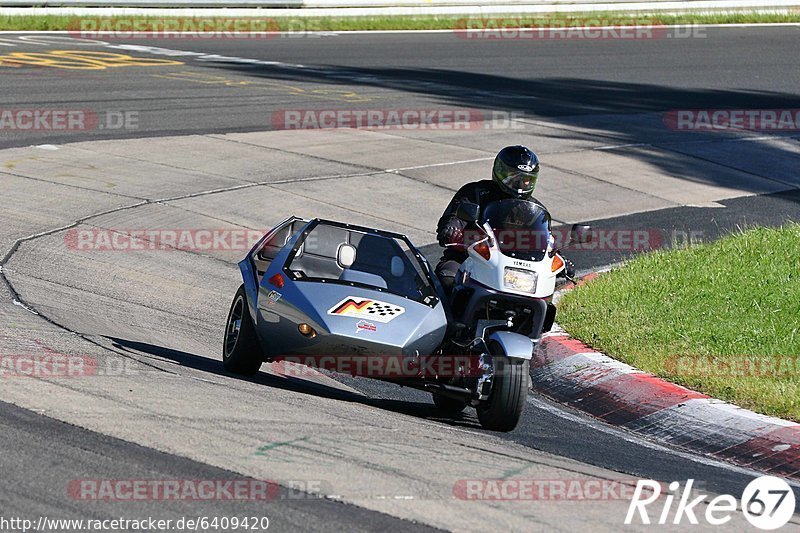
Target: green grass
{"x": 53, "y": 22}
{"x": 716, "y": 318}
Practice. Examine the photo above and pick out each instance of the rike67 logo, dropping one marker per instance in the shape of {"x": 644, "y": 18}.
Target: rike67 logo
{"x": 767, "y": 502}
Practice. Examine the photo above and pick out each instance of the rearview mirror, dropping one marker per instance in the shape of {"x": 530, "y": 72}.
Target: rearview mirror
{"x": 580, "y": 234}
{"x": 468, "y": 212}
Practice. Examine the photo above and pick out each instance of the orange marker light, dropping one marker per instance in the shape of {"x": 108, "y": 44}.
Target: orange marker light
{"x": 483, "y": 250}
{"x": 306, "y": 330}
{"x": 557, "y": 263}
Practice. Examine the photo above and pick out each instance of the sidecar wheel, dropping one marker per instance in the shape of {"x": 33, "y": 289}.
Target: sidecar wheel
{"x": 241, "y": 353}
{"x": 449, "y": 406}
{"x": 501, "y": 412}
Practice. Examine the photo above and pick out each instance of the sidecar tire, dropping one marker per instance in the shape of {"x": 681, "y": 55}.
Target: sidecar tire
{"x": 241, "y": 353}
{"x": 502, "y": 411}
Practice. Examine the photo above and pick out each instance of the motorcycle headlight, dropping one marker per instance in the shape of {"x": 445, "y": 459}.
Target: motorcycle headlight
{"x": 519, "y": 279}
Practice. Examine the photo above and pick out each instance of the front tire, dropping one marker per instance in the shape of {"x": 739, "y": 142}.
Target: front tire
{"x": 502, "y": 411}
{"x": 241, "y": 353}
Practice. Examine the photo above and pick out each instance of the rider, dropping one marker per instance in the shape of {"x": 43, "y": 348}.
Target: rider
{"x": 514, "y": 175}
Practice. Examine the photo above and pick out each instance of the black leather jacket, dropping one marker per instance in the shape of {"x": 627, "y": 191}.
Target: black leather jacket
{"x": 482, "y": 193}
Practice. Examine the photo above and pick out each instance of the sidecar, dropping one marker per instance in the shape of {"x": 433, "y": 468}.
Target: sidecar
{"x": 322, "y": 288}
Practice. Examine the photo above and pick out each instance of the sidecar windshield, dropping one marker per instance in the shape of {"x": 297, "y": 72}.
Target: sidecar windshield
{"x": 521, "y": 227}
{"x": 332, "y": 252}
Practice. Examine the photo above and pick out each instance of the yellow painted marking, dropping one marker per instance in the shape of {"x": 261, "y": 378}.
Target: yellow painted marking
{"x": 209, "y": 79}
{"x": 81, "y": 60}
{"x": 11, "y": 164}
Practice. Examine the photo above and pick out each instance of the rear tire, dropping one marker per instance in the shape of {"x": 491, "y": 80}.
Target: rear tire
{"x": 241, "y": 353}
{"x": 501, "y": 412}
{"x": 449, "y": 406}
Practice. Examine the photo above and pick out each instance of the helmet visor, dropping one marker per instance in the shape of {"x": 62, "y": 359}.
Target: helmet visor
{"x": 521, "y": 182}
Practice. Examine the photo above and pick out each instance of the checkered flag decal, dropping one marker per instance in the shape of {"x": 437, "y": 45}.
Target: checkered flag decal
{"x": 355, "y": 307}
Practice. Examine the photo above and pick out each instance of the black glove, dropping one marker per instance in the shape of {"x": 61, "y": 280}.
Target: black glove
{"x": 452, "y": 235}
{"x": 569, "y": 268}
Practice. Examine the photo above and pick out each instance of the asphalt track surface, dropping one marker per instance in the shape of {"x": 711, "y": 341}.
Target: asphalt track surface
{"x": 584, "y": 103}
{"x": 742, "y": 68}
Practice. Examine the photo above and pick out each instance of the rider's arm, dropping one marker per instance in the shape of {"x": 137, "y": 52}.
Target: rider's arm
{"x": 449, "y": 223}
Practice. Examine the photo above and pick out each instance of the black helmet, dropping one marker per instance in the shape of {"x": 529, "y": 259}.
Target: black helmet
{"x": 516, "y": 170}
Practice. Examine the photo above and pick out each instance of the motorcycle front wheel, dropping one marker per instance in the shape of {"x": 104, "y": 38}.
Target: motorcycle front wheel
{"x": 502, "y": 411}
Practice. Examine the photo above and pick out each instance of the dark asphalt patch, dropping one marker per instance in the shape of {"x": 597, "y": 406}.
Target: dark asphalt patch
{"x": 42, "y": 457}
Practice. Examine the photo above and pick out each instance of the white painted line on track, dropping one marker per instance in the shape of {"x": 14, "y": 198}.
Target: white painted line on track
{"x": 450, "y": 163}
{"x": 615, "y": 146}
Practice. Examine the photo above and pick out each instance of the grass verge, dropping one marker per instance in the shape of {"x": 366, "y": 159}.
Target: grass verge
{"x": 58, "y": 22}
{"x": 721, "y": 318}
